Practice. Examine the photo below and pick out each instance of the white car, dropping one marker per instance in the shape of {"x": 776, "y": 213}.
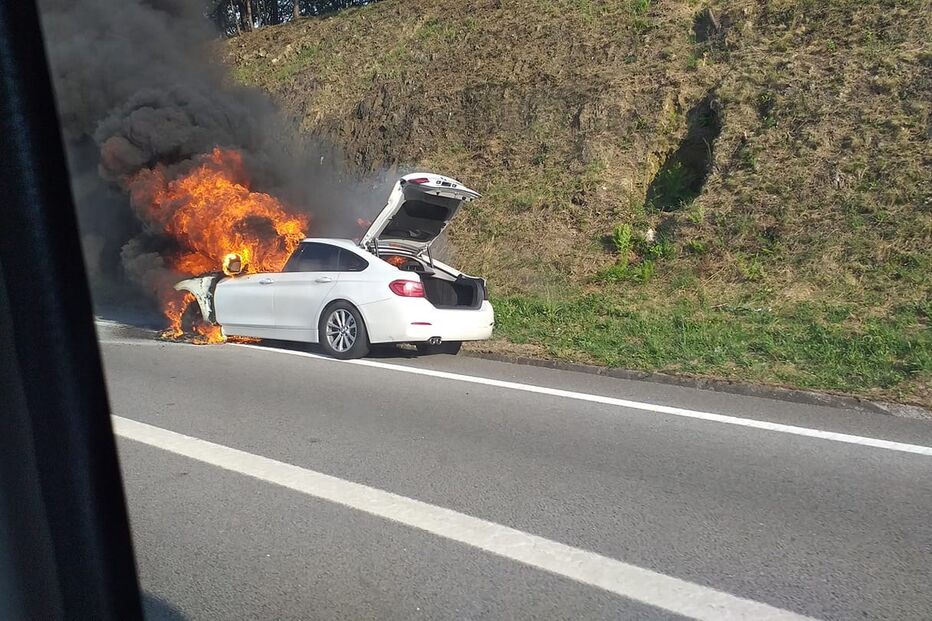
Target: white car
{"x": 346, "y": 295}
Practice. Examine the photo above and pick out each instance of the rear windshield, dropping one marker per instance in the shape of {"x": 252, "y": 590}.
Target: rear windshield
{"x": 408, "y": 264}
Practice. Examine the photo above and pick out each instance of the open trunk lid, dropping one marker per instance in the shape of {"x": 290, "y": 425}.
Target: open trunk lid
{"x": 419, "y": 208}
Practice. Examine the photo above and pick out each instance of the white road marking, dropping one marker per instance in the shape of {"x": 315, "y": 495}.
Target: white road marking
{"x": 625, "y": 403}
{"x": 635, "y": 583}
{"x": 144, "y": 343}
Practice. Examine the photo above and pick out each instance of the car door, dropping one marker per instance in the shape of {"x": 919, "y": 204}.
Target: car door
{"x": 245, "y": 301}
{"x": 302, "y": 290}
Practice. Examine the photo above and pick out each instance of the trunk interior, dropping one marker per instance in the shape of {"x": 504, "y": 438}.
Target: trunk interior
{"x": 464, "y": 292}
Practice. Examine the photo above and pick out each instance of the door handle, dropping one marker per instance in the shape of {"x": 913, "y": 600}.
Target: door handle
{"x": 324, "y": 279}
{"x": 266, "y": 281}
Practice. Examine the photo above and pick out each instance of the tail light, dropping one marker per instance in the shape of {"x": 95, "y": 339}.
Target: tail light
{"x": 407, "y": 288}
{"x": 419, "y": 180}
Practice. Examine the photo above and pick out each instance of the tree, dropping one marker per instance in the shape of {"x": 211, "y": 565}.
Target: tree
{"x": 232, "y": 17}
{"x": 225, "y": 16}
{"x": 246, "y": 14}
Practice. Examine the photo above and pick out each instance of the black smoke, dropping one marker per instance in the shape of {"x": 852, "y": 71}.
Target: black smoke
{"x": 136, "y": 89}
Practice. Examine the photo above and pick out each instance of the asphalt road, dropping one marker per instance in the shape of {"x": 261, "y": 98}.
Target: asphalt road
{"x": 580, "y": 497}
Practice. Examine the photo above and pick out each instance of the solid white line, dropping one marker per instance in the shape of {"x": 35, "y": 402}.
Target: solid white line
{"x": 143, "y": 343}
{"x": 636, "y": 583}
{"x": 626, "y": 403}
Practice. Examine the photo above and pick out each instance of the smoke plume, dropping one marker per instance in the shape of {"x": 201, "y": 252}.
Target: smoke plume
{"x": 136, "y": 92}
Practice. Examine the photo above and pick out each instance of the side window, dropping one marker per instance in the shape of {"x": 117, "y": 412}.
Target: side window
{"x": 294, "y": 261}
{"x": 351, "y": 262}
{"x": 319, "y": 258}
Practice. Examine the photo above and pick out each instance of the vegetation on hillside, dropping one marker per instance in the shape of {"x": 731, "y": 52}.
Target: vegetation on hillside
{"x": 733, "y": 188}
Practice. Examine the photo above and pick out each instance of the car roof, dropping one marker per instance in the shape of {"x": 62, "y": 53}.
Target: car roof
{"x": 349, "y": 244}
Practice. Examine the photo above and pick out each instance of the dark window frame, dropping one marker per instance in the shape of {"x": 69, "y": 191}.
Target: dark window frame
{"x": 295, "y": 261}
{"x": 362, "y": 264}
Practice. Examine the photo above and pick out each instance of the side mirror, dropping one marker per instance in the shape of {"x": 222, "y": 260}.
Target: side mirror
{"x": 232, "y": 264}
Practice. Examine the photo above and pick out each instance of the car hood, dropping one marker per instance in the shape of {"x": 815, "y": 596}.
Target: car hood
{"x": 419, "y": 208}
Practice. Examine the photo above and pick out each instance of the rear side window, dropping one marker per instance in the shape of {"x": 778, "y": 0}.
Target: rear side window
{"x": 314, "y": 258}
{"x": 351, "y": 262}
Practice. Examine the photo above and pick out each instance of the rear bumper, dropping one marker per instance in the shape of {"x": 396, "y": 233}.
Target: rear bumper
{"x": 415, "y": 320}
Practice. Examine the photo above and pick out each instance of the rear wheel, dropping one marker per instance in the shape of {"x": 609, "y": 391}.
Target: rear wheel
{"x": 342, "y": 333}
{"x": 445, "y": 347}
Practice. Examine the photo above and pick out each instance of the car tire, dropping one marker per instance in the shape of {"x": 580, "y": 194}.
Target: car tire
{"x": 342, "y": 333}
{"x": 191, "y": 320}
{"x": 445, "y": 347}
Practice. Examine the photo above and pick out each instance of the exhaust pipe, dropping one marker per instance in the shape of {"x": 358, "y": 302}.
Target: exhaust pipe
{"x": 434, "y": 340}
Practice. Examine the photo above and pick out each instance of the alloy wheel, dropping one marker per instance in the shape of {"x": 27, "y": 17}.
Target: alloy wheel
{"x": 342, "y": 330}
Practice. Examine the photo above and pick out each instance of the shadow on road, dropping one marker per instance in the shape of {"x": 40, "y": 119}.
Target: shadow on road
{"x": 134, "y": 315}
{"x": 141, "y": 323}
{"x": 387, "y": 352}
{"x": 157, "y": 609}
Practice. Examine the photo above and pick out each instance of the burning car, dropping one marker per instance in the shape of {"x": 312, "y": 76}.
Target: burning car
{"x": 346, "y": 295}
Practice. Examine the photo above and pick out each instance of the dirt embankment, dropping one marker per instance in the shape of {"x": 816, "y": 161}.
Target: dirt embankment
{"x": 735, "y": 157}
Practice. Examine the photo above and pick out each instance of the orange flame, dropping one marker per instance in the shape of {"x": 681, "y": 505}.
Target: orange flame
{"x": 173, "y": 309}
{"x": 212, "y": 213}
{"x": 208, "y": 334}
{"x": 203, "y": 333}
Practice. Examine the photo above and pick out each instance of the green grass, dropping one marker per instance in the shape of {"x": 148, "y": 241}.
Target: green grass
{"x": 299, "y": 62}
{"x": 815, "y": 347}
{"x": 567, "y": 116}
{"x": 672, "y": 188}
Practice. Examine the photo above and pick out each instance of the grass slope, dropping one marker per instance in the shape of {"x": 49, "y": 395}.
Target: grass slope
{"x": 739, "y": 189}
